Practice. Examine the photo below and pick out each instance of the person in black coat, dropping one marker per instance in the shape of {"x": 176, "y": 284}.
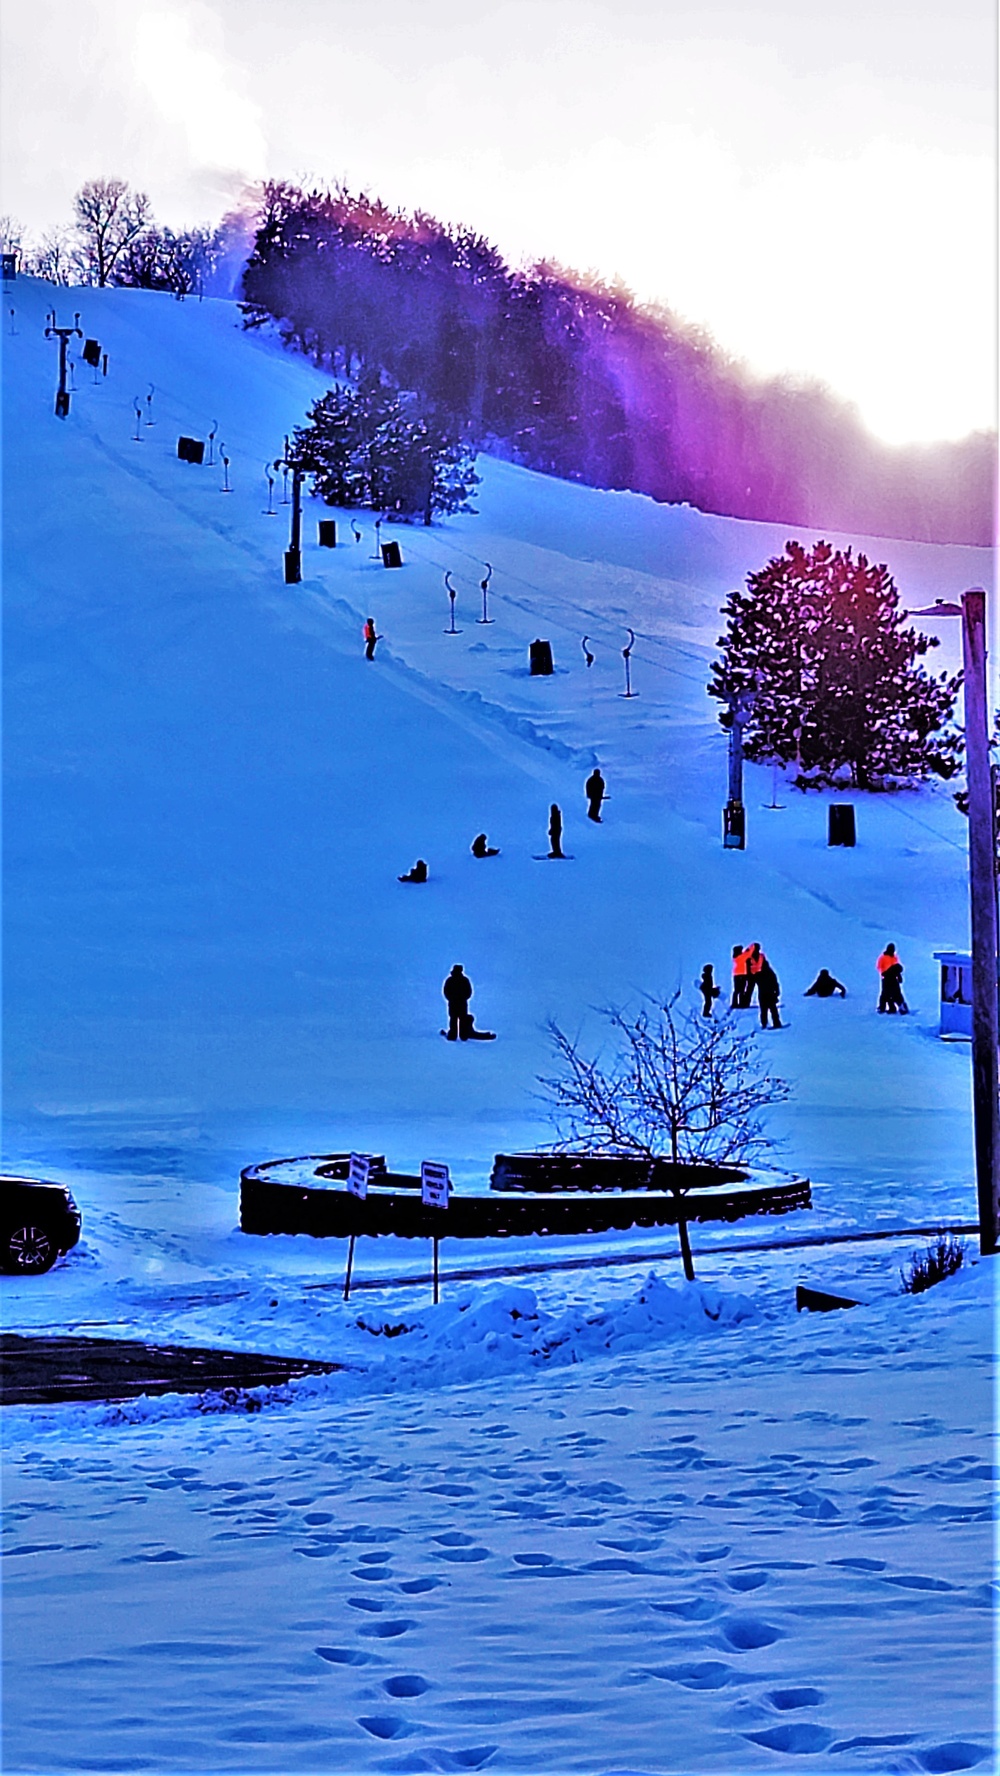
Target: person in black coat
{"x": 768, "y": 995}
{"x": 555, "y": 831}
{"x": 457, "y": 992}
{"x": 594, "y": 791}
{"x": 824, "y": 987}
{"x": 892, "y": 990}
{"x": 417, "y": 874}
{"x": 481, "y": 847}
{"x": 708, "y": 990}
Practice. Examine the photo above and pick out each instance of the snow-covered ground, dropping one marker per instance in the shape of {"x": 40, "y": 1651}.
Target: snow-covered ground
{"x": 762, "y": 1536}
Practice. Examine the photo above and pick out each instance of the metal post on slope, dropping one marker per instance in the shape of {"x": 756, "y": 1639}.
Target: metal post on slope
{"x": 293, "y": 554}
{"x": 734, "y": 819}
{"x": 64, "y": 335}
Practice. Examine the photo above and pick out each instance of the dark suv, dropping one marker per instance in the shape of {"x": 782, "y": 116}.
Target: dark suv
{"x": 38, "y": 1221}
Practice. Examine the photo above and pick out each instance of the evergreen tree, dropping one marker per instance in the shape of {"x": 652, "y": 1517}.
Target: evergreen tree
{"x": 817, "y": 645}
{"x": 374, "y": 446}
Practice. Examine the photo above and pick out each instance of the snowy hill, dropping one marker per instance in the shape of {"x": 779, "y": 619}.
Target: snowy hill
{"x": 759, "y": 1535}
{"x": 211, "y": 792}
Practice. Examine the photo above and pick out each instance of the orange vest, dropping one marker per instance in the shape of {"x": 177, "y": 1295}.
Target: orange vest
{"x": 885, "y": 961}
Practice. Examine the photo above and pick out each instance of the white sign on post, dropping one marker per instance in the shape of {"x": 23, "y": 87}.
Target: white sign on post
{"x": 357, "y": 1174}
{"x": 435, "y": 1185}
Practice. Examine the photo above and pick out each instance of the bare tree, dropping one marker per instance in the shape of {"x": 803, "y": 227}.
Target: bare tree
{"x": 678, "y": 1087}
{"x": 11, "y": 235}
{"x": 109, "y": 216}
{"x": 52, "y": 257}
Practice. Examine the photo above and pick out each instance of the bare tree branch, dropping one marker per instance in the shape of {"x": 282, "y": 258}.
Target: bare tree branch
{"x": 677, "y": 1087}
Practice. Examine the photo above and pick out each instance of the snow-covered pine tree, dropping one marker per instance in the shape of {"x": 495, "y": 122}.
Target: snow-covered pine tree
{"x": 332, "y": 448}
{"x": 374, "y": 446}
{"x": 819, "y": 641}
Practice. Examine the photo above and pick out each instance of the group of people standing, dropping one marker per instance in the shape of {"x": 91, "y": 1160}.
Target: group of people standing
{"x": 753, "y": 974}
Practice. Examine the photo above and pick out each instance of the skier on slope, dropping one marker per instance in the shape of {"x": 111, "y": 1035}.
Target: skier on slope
{"x": 594, "y": 789}
{"x": 768, "y": 995}
{"x": 370, "y": 638}
{"x": 555, "y": 831}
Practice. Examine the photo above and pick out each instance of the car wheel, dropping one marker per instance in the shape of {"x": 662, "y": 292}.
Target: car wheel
{"x": 29, "y": 1250}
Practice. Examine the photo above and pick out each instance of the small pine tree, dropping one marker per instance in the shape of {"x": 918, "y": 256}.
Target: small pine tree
{"x": 818, "y": 644}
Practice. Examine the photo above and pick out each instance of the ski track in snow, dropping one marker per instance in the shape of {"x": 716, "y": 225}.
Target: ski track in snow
{"x": 604, "y": 1524}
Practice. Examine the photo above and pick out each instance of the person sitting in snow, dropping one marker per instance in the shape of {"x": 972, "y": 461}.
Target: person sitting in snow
{"x": 417, "y": 874}
{"x": 481, "y": 847}
{"x": 824, "y": 987}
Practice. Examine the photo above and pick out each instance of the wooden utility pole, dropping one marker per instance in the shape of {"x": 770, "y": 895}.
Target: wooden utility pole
{"x": 982, "y": 907}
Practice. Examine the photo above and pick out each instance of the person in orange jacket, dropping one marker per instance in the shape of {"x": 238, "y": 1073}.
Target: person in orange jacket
{"x": 739, "y": 998}
{"x": 756, "y": 961}
{"x": 890, "y": 970}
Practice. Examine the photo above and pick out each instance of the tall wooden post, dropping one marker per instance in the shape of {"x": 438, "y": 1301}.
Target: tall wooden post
{"x": 983, "y": 907}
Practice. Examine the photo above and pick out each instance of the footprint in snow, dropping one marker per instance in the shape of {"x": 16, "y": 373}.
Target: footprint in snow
{"x": 801, "y": 1697}
{"x": 954, "y": 1754}
{"x": 385, "y": 1726}
{"x": 746, "y": 1581}
{"x": 701, "y": 1674}
{"x": 745, "y": 1634}
{"x": 797, "y": 1737}
{"x": 385, "y": 1630}
{"x": 405, "y": 1686}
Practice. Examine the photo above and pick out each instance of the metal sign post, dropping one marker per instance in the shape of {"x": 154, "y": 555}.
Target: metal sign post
{"x": 358, "y": 1169}
{"x": 435, "y": 1189}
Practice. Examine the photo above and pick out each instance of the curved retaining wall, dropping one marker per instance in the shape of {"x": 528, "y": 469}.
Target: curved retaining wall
{"x": 309, "y": 1195}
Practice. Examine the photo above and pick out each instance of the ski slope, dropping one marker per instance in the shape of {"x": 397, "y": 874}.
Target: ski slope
{"x": 209, "y": 960}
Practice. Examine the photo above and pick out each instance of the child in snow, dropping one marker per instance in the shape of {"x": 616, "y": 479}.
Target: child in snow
{"x": 481, "y": 848}
{"x": 708, "y": 990}
{"x": 417, "y": 874}
{"x": 370, "y": 638}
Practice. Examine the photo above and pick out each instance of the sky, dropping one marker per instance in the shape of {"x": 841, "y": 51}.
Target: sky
{"x": 816, "y": 186}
